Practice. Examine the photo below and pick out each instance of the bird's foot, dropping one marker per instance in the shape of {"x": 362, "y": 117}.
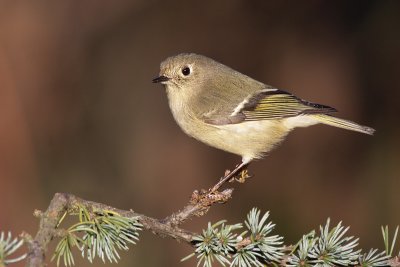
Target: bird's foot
{"x": 231, "y": 176}
{"x": 240, "y": 177}
{"x": 243, "y": 176}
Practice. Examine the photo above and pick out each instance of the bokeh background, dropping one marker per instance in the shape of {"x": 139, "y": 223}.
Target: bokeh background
{"x": 79, "y": 114}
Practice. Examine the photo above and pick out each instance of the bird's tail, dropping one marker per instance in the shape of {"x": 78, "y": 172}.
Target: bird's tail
{"x": 341, "y": 123}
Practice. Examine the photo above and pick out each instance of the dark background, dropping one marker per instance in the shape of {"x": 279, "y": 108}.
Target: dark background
{"x": 79, "y": 114}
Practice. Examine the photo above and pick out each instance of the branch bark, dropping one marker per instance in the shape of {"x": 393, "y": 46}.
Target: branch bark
{"x": 199, "y": 204}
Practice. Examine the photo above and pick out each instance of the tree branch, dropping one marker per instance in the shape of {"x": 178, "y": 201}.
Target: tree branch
{"x": 199, "y": 204}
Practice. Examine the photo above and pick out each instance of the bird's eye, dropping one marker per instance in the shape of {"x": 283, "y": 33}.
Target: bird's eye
{"x": 186, "y": 71}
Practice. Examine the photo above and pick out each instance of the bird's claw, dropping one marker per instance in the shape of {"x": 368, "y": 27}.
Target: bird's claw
{"x": 242, "y": 176}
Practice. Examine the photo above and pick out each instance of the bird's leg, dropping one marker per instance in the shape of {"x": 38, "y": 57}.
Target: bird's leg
{"x": 241, "y": 167}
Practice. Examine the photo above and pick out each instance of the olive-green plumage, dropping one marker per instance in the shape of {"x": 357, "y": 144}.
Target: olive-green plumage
{"x": 233, "y": 112}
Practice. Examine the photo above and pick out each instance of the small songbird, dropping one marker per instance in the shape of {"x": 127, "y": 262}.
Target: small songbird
{"x": 233, "y": 112}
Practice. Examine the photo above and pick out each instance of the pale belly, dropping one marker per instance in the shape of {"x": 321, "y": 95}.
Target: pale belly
{"x": 250, "y": 140}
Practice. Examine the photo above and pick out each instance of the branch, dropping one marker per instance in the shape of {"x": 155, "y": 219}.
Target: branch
{"x": 255, "y": 246}
{"x": 199, "y": 204}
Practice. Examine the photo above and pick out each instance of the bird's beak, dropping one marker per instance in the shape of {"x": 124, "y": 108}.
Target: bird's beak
{"x": 161, "y": 79}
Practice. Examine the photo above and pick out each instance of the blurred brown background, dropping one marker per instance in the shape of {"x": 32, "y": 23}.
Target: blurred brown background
{"x": 79, "y": 114}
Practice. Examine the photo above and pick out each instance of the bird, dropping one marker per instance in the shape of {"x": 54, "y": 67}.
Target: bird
{"x": 228, "y": 110}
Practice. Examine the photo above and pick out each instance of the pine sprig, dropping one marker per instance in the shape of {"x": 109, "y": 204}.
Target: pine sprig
{"x": 229, "y": 248}
{"x": 333, "y": 248}
{"x": 215, "y": 244}
{"x": 270, "y": 247}
{"x": 8, "y": 246}
{"x": 100, "y": 233}
{"x": 372, "y": 258}
{"x": 304, "y": 248}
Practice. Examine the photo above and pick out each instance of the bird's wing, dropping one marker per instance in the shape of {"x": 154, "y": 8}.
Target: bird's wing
{"x": 269, "y": 104}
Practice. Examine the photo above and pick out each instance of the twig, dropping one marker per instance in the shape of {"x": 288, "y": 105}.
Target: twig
{"x": 199, "y": 204}
{"x": 48, "y": 223}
